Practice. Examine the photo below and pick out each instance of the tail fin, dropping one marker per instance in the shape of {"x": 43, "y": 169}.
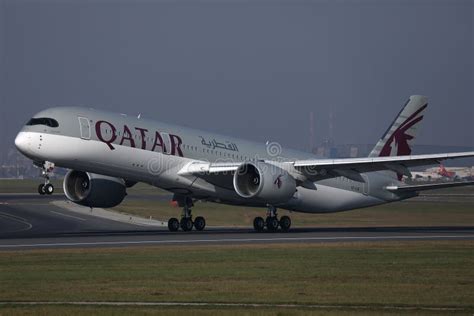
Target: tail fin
{"x": 398, "y": 138}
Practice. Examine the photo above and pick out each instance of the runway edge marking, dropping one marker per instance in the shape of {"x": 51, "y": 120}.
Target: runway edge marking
{"x": 230, "y": 240}
{"x": 66, "y": 215}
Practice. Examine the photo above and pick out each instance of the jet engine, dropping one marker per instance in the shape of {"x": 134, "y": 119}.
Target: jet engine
{"x": 265, "y": 182}
{"x": 93, "y": 190}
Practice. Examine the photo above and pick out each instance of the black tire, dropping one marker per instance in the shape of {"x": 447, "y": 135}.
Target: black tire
{"x": 272, "y": 223}
{"x": 41, "y": 189}
{"x": 199, "y": 223}
{"x": 48, "y": 189}
{"x": 258, "y": 224}
{"x": 186, "y": 224}
{"x": 285, "y": 223}
{"x": 173, "y": 224}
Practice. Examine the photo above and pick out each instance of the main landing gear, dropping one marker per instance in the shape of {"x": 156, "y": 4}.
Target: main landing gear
{"x": 46, "y": 187}
{"x": 186, "y": 223}
{"x": 271, "y": 222}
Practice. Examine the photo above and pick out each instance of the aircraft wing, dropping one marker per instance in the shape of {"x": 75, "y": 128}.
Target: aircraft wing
{"x": 328, "y": 168}
{"x": 352, "y": 167}
{"x": 423, "y": 187}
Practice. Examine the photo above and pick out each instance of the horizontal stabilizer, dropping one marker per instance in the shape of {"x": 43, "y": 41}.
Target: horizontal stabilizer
{"x": 423, "y": 187}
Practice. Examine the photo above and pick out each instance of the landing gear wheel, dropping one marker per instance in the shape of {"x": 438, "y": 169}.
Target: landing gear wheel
{"x": 186, "y": 224}
{"x": 199, "y": 223}
{"x": 41, "y": 189}
{"x": 272, "y": 223}
{"x": 48, "y": 188}
{"x": 258, "y": 224}
{"x": 285, "y": 223}
{"x": 173, "y": 224}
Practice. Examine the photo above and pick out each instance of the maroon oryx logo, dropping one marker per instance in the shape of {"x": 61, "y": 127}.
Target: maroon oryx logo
{"x": 400, "y": 138}
{"x": 278, "y": 181}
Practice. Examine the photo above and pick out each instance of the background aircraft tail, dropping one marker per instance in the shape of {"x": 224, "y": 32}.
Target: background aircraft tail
{"x": 398, "y": 138}
{"x": 445, "y": 173}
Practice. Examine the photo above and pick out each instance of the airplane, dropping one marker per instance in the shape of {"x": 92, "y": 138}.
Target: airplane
{"x": 441, "y": 173}
{"x": 445, "y": 173}
{"x": 109, "y": 152}
{"x": 423, "y": 176}
{"x": 453, "y": 172}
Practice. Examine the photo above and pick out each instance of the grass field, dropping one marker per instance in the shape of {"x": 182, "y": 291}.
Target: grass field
{"x": 27, "y": 185}
{"x": 414, "y": 274}
{"x": 202, "y": 311}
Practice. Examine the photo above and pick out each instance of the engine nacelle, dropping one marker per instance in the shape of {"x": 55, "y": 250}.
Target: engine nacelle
{"x": 265, "y": 182}
{"x": 93, "y": 190}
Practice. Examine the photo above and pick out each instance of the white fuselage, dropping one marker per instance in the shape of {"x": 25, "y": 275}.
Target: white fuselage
{"x": 141, "y": 150}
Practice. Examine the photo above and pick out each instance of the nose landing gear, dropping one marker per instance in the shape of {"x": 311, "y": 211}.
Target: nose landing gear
{"x": 271, "y": 222}
{"x": 46, "y": 187}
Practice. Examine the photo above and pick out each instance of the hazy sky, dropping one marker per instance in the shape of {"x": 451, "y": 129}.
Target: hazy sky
{"x": 253, "y": 69}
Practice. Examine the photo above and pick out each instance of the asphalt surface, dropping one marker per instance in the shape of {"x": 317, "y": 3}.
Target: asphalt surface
{"x": 29, "y": 221}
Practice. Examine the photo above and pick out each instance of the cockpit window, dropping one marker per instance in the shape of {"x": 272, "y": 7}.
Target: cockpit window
{"x": 43, "y": 121}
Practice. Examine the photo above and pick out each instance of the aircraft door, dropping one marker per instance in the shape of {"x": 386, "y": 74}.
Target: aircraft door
{"x": 365, "y": 185}
{"x": 85, "y": 127}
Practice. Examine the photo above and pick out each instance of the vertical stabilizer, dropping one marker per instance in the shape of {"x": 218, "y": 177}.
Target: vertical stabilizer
{"x": 398, "y": 139}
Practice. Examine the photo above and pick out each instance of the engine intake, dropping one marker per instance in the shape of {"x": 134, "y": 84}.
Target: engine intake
{"x": 265, "y": 182}
{"x": 93, "y": 190}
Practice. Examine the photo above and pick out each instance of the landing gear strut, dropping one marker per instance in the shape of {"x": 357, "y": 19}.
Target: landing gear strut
{"x": 46, "y": 187}
{"x": 271, "y": 222}
{"x": 186, "y": 223}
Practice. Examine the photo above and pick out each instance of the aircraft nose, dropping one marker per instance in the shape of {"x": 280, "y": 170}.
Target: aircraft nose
{"x": 22, "y": 142}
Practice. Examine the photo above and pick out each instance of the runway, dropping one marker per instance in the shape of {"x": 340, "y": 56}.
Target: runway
{"x": 31, "y": 222}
